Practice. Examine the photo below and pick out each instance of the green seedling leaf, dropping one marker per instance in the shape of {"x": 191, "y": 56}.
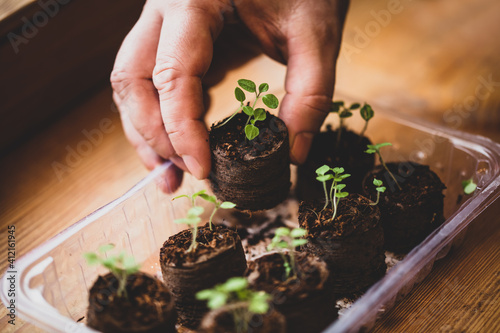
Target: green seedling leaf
{"x": 324, "y": 178}
{"x": 227, "y": 205}
{"x": 251, "y": 131}
{"x": 338, "y": 170}
{"x": 205, "y": 294}
{"x": 234, "y": 284}
{"x": 298, "y": 232}
{"x": 299, "y": 242}
{"x": 345, "y": 114}
{"x": 263, "y": 88}
{"x": 259, "y": 303}
{"x": 282, "y": 231}
{"x": 106, "y": 247}
{"x": 195, "y": 211}
{"x": 270, "y": 101}
{"x": 322, "y": 170}
{"x": 239, "y": 94}
{"x": 209, "y": 198}
{"x": 248, "y": 85}
{"x": 91, "y": 258}
{"x": 259, "y": 114}
{"x": 354, "y": 106}
{"x": 248, "y": 110}
{"x": 335, "y": 106}
{"x": 341, "y": 194}
{"x": 339, "y": 187}
{"x": 377, "y": 182}
{"x": 469, "y": 186}
{"x": 217, "y": 300}
{"x": 366, "y": 112}
{"x": 380, "y": 189}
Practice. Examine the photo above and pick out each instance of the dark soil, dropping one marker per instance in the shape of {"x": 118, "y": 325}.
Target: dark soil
{"x": 351, "y": 245}
{"x": 255, "y": 175}
{"x": 148, "y": 307}
{"x": 306, "y": 301}
{"x": 222, "y": 321}
{"x": 409, "y": 215}
{"x": 218, "y": 256}
{"x": 350, "y": 155}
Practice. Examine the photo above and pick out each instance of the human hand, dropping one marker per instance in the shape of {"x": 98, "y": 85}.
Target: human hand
{"x": 157, "y": 78}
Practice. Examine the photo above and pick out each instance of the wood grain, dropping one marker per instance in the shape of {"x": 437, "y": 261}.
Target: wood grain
{"x": 425, "y": 61}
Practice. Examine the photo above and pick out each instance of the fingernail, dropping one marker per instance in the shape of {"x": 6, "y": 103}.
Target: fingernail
{"x": 193, "y": 166}
{"x": 301, "y": 146}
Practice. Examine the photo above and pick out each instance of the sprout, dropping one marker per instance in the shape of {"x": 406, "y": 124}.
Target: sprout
{"x": 286, "y": 239}
{"x": 380, "y": 189}
{"x": 254, "y": 114}
{"x": 217, "y": 204}
{"x": 367, "y": 114}
{"x": 343, "y": 112}
{"x": 469, "y": 186}
{"x": 232, "y": 291}
{"x": 121, "y": 265}
{"x": 372, "y": 149}
{"x": 192, "y": 220}
{"x": 336, "y": 188}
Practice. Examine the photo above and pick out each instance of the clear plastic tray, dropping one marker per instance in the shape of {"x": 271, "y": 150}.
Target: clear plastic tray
{"x": 54, "y": 279}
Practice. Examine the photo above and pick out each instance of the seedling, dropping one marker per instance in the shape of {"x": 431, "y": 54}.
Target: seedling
{"x": 235, "y": 290}
{"x": 344, "y": 112}
{"x": 469, "y": 186}
{"x": 286, "y": 239}
{"x": 210, "y": 198}
{"x": 217, "y": 205}
{"x": 367, "y": 113}
{"x": 375, "y": 149}
{"x": 380, "y": 189}
{"x": 336, "y": 188}
{"x": 120, "y": 265}
{"x": 254, "y": 114}
{"x": 192, "y": 220}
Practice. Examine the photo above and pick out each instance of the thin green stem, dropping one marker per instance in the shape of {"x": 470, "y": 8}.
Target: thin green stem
{"x": 386, "y": 168}
{"x": 334, "y": 205}
{"x": 193, "y": 243}
{"x": 232, "y": 116}
{"x": 363, "y": 131}
{"x": 211, "y": 217}
{"x": 326, "y": 196}
{"x": 376, "y": 202}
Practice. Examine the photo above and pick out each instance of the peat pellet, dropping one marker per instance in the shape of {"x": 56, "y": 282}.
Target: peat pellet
{"x": 253, "y": 174}
{"x": 148, "y": 307}
{"x": 408, "y": 215}
{"x": 218, "y": 256}
{"x": 351, "y": 244}
{"x": 308, "y": 301}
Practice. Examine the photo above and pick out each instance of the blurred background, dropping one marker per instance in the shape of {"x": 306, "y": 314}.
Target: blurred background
{"x": 63, "y": 153}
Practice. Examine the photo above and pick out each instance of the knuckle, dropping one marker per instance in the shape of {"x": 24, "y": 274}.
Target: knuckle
{"x": 165, "y": 73}
{"x": 120, "y": 81}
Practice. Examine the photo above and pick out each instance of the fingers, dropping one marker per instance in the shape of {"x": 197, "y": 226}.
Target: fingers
{"x": 311, "y": 52}
{"x": 134, "y": 92}
{"x": 183, "y": 57}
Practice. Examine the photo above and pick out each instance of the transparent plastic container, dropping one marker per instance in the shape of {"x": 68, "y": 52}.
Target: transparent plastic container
{"x": 54, "y": 278}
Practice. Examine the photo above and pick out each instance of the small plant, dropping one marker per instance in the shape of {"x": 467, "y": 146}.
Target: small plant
{"x": 120, "y": 265}
{"x": 367, "y": 114}
{"x": 380, "y": 189}
{"x": 336, "y": 188}
{"x": 217, "y": 204}
{"x": 254, "y": 114}
{"x": 210, "y": 198}
{"x": 469, "y": 186}
{"x": 192, "y": 219}
{"x": 344, "y": 112}
{"x": 236, "y": 290}
{"x": 286, "y": 239}
{"x": 375, "y": 149}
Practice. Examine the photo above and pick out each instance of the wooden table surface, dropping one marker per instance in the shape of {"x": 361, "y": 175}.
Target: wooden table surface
{"x": 427, "y": 58}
